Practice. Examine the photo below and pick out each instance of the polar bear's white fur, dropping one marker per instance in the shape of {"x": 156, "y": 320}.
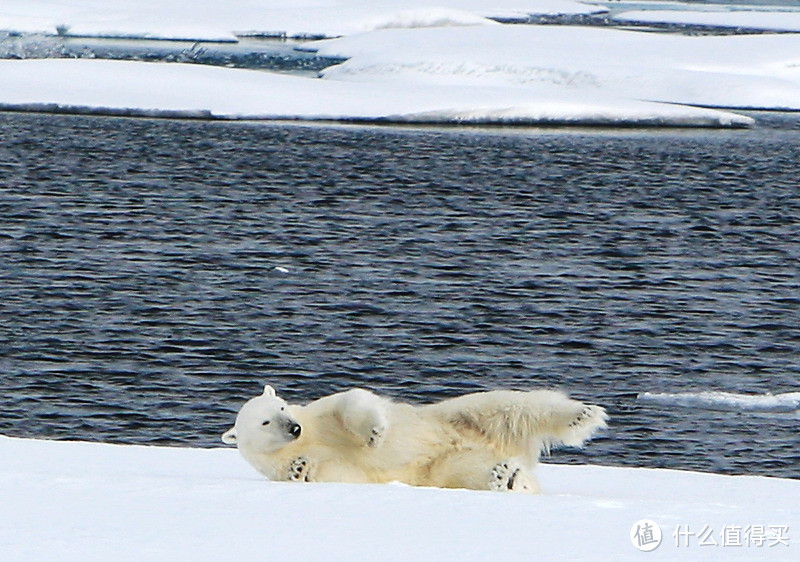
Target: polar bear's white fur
{"x": 482, "y": 441}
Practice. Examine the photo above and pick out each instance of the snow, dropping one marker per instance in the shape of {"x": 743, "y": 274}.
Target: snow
{"x": 410, "y": 62}
{"x": 786, "y": 402}
{"x": 92, "y": 501}
{"x": 777, "y": 20}
{"x": 758, "y": 71}
{"x": 221, "y": 20}
{"x": 195, "y": 90}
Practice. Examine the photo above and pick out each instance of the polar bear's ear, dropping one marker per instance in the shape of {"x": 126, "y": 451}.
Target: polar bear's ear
{"x": 269, "y": 391}
{"x": 229, "y": 437}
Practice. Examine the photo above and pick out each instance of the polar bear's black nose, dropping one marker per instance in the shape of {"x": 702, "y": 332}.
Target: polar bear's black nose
{"x": 295, "y": 429}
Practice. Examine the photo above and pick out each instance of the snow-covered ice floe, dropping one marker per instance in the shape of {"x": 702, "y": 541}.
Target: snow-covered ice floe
{"x": 465, "y": 70}
{"x": 90, "y": 501}
{"x": 168, "y": 89}
{"x": 757, "y": 72}
{"x": 777, "y": 19}
{"x": 223, "y": 20}
{"x": 727, "y": 401}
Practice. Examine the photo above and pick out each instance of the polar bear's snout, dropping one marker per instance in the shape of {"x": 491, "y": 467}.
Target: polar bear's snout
{"x": 290, "y": 426}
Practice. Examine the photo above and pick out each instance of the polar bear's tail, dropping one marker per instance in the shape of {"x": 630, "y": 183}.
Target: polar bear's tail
{"x": 522, "y": 423}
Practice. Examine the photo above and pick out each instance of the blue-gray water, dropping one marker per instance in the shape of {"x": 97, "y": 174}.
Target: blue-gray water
{"x": 154, "y": 274}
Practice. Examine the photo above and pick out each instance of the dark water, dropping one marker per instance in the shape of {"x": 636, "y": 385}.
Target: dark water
{"x": 274, "y": 54}
{"x": 140, "y": 300}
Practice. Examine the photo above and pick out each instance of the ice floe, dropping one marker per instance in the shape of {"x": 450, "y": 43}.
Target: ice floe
{"x": 727, "y": 401}
{"x": 751, "y": 19}
{"x": 93, "y": 501}
{"x": 134, "y": 88}
{"x": 410, "y": 62}
{"x": 221, "y": 20}
{"x": 754, "y": 71}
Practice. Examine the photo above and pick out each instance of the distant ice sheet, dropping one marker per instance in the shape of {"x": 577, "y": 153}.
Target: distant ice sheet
{"x": 171, "y": 89}
{"x": 727, "y": 401}
{"x": 464, "y": 70}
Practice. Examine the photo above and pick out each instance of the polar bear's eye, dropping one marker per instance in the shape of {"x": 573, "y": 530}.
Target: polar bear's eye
{"x": 282, "y": 408}
{"x": 265, "y": 422}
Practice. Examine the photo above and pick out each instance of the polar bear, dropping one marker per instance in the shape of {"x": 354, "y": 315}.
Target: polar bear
{"x": 482, "y": 441}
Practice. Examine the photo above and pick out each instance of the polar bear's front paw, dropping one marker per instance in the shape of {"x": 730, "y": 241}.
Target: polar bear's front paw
{"x": 377, "y": 435}
{"x": 299, "y": 470}
{"x": 508, "y": 476}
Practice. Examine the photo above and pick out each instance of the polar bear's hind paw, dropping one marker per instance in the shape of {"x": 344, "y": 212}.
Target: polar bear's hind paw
{"x": 503, "y": 477}
{"x": 510, "y": 477}
{"x": 584, "y": 416}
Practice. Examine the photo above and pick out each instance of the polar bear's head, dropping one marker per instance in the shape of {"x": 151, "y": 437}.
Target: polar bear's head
{"x": 263, "y": 424}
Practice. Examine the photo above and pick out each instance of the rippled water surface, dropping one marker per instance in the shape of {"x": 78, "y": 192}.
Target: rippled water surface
{"x": 154, "y": 274}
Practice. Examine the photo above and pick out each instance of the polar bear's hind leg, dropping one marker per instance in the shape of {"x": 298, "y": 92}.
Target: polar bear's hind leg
{"x": 522, "y": 423}
{"x": 480, "y": 469}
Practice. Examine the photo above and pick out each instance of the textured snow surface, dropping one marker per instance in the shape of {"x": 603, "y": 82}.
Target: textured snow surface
{"x": 88, "y": 501}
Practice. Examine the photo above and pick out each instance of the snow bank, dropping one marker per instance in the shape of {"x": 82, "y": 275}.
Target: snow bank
{"x": 221, "y": 20}
{"x": 737, "y": 72}
{"x": 88, "y": 501}
{"x": 135, "y": 88}
{"x": 727, "y": 401}
{"x": 778, "y": 20}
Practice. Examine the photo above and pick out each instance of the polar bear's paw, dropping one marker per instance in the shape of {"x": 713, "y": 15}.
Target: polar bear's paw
{"x": 580, "y": 428}
{"x": 371, "y": 430}
{"x": 299, "y": 470}
{"x": 377, "y": 435}
{"x": 509, "y": 476}
{"x": 585, "y": 415}
{"x": 365, "y": 415}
